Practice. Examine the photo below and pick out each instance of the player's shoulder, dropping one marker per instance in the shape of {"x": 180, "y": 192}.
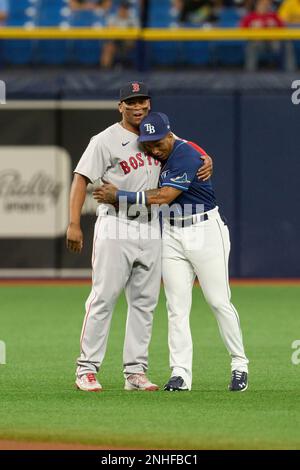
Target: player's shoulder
{"x": 106, "y": 135}
{"x": 196, "y": 147}
{"x": 186, "y": 147}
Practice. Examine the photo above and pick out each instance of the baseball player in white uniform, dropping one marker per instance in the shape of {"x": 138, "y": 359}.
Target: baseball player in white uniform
{"x": 195, "y": 243}
{"x": 119, "y": 262}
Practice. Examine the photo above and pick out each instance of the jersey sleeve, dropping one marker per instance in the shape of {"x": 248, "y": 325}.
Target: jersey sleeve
{"x": 182, "y": 169}
{"x": 94, "y": 161}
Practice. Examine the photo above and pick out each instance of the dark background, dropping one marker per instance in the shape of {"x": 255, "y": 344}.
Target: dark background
{"x": 254, "y": 139}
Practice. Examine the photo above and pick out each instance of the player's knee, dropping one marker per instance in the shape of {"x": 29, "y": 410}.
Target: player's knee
{"x": 102, "y": 301}
{"x": 218, "y": 304}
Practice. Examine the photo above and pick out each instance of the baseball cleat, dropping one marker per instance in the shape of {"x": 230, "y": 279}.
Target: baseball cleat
{"x": 88, "y": 383}
{"x": 239, "y": 381}
{"x": 176, "y": 384}
{"x": 139, "y": 382}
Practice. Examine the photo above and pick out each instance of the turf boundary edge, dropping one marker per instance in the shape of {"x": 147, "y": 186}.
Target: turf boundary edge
{"x": 14, "y": 444}
{"x": 63, "y": 282}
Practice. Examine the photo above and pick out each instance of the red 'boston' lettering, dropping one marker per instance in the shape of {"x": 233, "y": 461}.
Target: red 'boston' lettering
{"x": 133, "y": 163}
{"x": 136, "y": 162}
{"x": 140, "y": 159}
{"x": 125, "y": 167}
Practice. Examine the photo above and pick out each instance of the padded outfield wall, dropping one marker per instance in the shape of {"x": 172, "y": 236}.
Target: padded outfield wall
{"x": 249, "y": 125}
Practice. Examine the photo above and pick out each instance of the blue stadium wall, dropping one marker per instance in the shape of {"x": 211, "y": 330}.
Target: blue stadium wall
{"x": 252, "y": 133}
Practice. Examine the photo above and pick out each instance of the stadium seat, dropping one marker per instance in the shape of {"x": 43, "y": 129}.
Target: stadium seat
{"x": 297, "y": 51}
{"x": 162, "y": 15}
{"x": 86, "y": 52}
{"x": 51, "y": 52}
{"x": 162, "y": 52}
{"x": 19, "y": 6}
{"x": 229, "y": 17}
{"x": 20, "y": 52}
{"x": 196, "y": 52}
{"x": 228, "y": 52}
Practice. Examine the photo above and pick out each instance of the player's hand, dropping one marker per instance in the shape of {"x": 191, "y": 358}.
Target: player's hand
{"x": 106, "y": 194}
{"x": 74, "y": 238}
{"x": 206, "y": 170}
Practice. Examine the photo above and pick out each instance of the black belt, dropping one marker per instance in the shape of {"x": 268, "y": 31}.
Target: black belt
{"x": 176, "y": 222}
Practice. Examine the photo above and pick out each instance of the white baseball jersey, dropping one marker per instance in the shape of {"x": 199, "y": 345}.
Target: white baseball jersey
{"x": 116, "y": 156}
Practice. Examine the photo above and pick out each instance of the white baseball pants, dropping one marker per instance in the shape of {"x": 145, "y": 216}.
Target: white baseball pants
{"x": 124, "y": 257}
{"x": 200, "y": 250}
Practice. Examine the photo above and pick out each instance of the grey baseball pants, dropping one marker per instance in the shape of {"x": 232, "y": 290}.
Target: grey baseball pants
{"x": 126, "y": 255}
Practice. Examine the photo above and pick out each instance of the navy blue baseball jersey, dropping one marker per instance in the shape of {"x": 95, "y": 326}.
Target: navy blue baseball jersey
{"x": 180, "y": 171}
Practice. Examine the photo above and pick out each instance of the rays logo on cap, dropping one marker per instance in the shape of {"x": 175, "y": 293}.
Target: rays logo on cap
{"x": 149, "y": 128}
{"x": 135, "y": 87}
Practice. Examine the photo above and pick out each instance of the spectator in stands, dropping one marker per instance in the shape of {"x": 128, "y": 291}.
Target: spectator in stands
{"x": 196, "y": 12}
{"x": 104, "y": 5}
{"x": 84, "y": 4}
{"x": 3, "y": 11}
{"x": 289, "y": 12}
{"x": 119, "y": 50}
{"x": 263, "y": 16}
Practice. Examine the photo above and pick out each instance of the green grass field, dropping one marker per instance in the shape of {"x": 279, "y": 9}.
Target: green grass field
{"x": 41, "y": 326}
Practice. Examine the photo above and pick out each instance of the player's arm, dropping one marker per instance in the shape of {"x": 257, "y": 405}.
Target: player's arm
{"x": 91, "y": 166}
{"x": 110, "y": 194}
{"x": 206, "y": 169}
{"x": 160, "y": 196}
{"x": 77, "y": 198}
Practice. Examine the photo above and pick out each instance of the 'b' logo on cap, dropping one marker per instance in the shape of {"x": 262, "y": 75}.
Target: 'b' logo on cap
{"x": 150, "y": 129}
{"x": 135, "y": 87}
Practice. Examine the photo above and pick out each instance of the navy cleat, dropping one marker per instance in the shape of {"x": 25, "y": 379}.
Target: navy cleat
{"x": 175, "y": 384}
{"x": 239, "y": 381}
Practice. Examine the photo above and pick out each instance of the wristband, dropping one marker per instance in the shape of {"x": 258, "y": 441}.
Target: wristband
{"x": 133, "y": 197}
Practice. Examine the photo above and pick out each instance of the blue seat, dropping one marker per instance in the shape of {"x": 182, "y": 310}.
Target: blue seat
{"x": 51, "y": 3}
{"x": 50, "y": 52}
{"x": 231, "y": 53}
{"x": 160, "y": 5}
{"x": 229, "y": 17}
{"x": 162, "y": 52}
{"x": 297, "y": 51}
{"x": 19, "y": 6}
{"x": 228, "y": 52}
{"x": 85, "y": 52}
{"x": 83, "y": 18}
{"x": 17, "y": 51}
{"x": 196, "y": 52}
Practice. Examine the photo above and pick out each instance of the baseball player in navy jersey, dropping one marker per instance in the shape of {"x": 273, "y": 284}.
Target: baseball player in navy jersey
{"x": 195, "y": 243}
{"x": 133, "y": 264}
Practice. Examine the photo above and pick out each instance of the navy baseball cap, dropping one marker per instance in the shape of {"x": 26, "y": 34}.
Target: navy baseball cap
{"x": 154, "y": 127}
{"x": 134, "y": 89}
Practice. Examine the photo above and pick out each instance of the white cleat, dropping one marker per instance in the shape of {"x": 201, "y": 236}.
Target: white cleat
{"x": 139, "y": 382}
{"x": 88, "y": 383}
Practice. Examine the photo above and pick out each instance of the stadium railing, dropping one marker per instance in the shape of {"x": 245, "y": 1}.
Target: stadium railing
{"x": 152, "y": 34}
{"x": 147, "y": 36}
